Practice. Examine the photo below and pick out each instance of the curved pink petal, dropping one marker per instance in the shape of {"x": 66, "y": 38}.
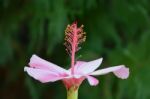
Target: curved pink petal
{"x": 120, "y": 71}
{"x": 92, "y": 81}
{"x": 39, "y": 63}
{"x": 78, "y": 63}
{"x": 84, "y": 68}
{"x": 44, "y": 75}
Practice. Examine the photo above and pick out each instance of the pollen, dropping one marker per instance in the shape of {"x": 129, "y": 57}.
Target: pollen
{"x": 73, "y": 37}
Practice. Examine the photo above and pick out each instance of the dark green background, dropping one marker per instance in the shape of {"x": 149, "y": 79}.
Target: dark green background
{"x": 117, "y": 30}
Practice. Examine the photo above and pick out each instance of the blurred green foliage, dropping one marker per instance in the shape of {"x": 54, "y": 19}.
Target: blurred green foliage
{"x": 118, "y": 30}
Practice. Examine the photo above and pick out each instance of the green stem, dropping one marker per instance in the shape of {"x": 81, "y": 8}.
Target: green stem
{"x": 72, "y": 93}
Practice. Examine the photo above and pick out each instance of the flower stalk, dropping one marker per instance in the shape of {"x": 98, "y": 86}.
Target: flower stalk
{"x": 72, "y": 93}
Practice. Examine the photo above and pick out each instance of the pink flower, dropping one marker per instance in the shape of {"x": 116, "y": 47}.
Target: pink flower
{"x": 45, "y": 71}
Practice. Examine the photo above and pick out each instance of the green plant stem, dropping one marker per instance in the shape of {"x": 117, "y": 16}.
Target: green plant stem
{"x": 72, "y": 93}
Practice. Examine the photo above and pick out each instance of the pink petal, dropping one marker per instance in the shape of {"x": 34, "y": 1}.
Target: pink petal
{"x": 120, "y": 71}
{"x": 87, "y": 67}
{"x": 43, "y": 75}
{"x": 78, "y": 63}
{"x": 39, "y": 63}
{"x": 92, "y": 81}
